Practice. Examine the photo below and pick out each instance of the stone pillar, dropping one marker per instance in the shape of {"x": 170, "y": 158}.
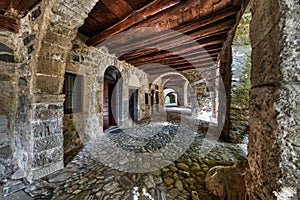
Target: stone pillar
{"x": 41, "y": 136}
{"x": 224, "y": 104}
{"x": 273, "y": 150}
{"x": 8, "y": 103}
{"x": 47, "y": 153}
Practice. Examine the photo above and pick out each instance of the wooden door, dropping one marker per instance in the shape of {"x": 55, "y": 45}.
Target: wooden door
{"x": 109, "y": 105}
{"x": 112, "y": 104}
{"x": 133, "y": 104}
{"x": 105, "y": 106}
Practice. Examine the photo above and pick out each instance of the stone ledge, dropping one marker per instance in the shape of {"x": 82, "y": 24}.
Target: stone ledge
{"x": 39, "y": 173}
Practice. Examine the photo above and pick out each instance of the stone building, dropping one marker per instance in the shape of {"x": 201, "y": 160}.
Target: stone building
{"x": 74, "y": 71}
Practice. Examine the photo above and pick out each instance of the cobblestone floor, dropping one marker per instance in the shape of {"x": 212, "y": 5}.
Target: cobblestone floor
{"x": 87, "y": 178}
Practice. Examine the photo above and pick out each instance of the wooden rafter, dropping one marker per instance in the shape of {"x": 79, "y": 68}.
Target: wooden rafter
{"x": 135, "y": 17}
{"x": 165, "y": 54}
{"x": 169, "y": 56}
{"x": 181, "y": 49}
{"x": 168, "y": 42}
{"x": 9, "y": 23}
{"x": 179, "y": 60}
{"x": 150, "y": 38}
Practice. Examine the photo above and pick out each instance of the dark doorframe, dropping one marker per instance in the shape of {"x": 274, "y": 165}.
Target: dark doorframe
{"x": 133, "y": 104}
{"x": 111, "y": 78}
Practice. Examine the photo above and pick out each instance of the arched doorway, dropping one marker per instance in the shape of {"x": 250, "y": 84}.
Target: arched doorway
{"x": 110, "y": 104}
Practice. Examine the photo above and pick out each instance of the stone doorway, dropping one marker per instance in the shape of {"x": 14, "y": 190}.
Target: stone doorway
{"x": 133, "y": 104}
{"x": 111, "y": 77}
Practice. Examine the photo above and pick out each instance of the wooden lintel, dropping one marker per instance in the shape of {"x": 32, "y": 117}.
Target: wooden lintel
{"x": 135, "y": 17}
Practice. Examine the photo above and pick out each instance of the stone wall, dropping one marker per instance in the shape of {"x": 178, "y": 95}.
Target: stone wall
{"x": 225, "y": 59}
{"x": 33, "y": 137}
{"x": 57, "y": 29}
{"x": 240, "y": 86}
{"x": 8, "y": 103}
{"x": 17, "y": 86}
{"x": 91, "y": 63}
{"x": 274, "y": 99}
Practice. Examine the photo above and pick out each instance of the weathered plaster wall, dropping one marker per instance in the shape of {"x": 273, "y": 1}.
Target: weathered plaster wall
{"x": 274, "y": 101}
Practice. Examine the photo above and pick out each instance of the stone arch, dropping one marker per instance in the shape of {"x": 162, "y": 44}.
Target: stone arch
{"x": 111, "y": 107}
{"x": 7, "y": 53}
{"x": 62, "y": 18}
{"x": 172, "y": 99}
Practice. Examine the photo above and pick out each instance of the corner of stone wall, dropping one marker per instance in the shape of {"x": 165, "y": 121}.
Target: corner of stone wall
{"x": 8, "y": 103}
{"x": 45, "y": 40}
{"x": 287, "y": 104}
{"x": 274, "y": 115}
{"x": 225, "y": 59}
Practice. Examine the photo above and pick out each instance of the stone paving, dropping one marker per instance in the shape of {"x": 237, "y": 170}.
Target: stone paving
{"x": 87, "y": 178}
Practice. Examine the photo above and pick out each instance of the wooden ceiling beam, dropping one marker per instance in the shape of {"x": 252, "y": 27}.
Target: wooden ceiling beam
{"x": 23, "y": 5}
{"x": 119, "y": 7}
{"x": 103, "y": 15}
{"x": 178, "y": 60}
{"x": 9, "y": 23}
{"x": 217, "y": 38}
{"x": 178, "y": 69}
{"x": 4, "y": 5}
{"x": 165, "y": 54}
{"x": 150, "y": 38}
{"x": 185, "y": 63}
{"x": 188, "y": 10}
{"x": 167, "y": 43}
{"x": 181, "y": 67}
{"x": 135, "y": 17}
{"x": 164, "y": 57}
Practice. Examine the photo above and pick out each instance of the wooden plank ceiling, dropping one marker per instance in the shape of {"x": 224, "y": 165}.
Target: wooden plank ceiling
{"x": 11, "y": 11}
{"x": 206, "y": 22}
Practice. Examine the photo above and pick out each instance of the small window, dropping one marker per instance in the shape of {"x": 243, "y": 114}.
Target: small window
{"x": 172, "y": 98}
{"x": 167, "y": 101}
{"x": 73, "y": 92}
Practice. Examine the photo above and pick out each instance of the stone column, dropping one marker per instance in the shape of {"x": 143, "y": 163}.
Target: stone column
{"x": 274, "y": 101}
{"x": 46, "y": 123}
{"x": 224, "y": 104}
{"x": 41, "y": 131}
